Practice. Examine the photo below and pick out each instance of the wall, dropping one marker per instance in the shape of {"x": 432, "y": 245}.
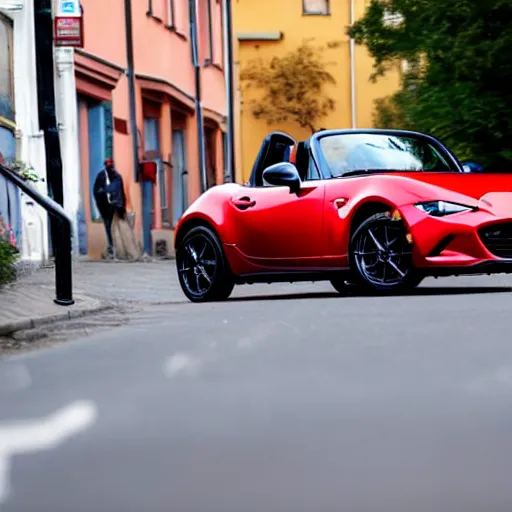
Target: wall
{"x": 101, "y": 75}
{"x": 286, "y": 18}
{"x": 30, "y": 141}
{"x": 164, "y": 81}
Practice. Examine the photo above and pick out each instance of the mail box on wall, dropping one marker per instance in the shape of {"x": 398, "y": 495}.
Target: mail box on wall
{"x": 147, "y": 172}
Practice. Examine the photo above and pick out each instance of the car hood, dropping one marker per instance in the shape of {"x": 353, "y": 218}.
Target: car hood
{"x": 483, "y": 190}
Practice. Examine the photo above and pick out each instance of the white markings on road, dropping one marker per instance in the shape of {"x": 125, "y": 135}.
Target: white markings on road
{"x": 30, "y": 436}
{"x": 182, "y": 363}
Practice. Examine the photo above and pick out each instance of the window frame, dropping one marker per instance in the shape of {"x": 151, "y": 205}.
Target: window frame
{"x": 6, "y": 122}
{"x": 210, "y": 58}
{"x": 306, "y": 12}
{"x": 171, "y": 14}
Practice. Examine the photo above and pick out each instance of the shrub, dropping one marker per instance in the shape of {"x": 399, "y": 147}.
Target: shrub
{"x": 8, "y": 254}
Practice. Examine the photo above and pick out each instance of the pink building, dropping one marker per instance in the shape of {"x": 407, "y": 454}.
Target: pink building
{"x": 166, "y": 117}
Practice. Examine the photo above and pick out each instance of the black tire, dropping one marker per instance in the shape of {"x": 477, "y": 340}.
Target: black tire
{"x": 203, "y": 270}
{"x": 380, "y": 256}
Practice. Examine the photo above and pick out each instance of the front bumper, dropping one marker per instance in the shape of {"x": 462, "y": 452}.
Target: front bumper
{"x": 475, "y": 242}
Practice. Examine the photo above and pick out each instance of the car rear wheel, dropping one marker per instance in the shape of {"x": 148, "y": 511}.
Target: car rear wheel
{"x": 381, "y": 256}
{"x": 203, "y": 270}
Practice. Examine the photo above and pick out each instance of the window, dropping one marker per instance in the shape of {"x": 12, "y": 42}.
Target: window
{"x": 100, "y": 139}
{"x": 218, "y": 39}
{"x": 6, "y": 74}
{"x": 152, "y": 152}
{"x": 171, "y": 14}
{"x": 315, "y": 7}
{"x": 156, "y": 8}
{"x": 179, "y": 175}
{"x": 205, "y": 36}
{"x": 211, "y": 157}
{"x": 210, "y": 31}
{"x": 178, "y": 16}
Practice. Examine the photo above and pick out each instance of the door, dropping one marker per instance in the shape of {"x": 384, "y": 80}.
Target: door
{"x": 151, "y": 152}
{"x": 81, "y": 217}
{"x": 179, "y": 176}
{"x": 274, "y": 227}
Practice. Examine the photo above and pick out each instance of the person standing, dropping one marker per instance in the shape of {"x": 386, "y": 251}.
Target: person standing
{"x": 111, "y": 201}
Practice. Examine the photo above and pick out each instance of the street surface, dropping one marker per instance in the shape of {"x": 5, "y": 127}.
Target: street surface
{"x": 286, "y": 398}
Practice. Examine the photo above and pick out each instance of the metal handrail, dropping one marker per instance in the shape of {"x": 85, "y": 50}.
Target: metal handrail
{"x": 63, "y": 254}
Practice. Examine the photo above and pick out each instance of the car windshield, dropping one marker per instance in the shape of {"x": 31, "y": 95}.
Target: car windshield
{"x": 361, "y": 153}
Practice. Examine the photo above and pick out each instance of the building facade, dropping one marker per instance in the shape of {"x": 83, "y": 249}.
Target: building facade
{"x": 165, "y": 113}
{"x": 267, "y": 28}
{"x": 20, "y": 136}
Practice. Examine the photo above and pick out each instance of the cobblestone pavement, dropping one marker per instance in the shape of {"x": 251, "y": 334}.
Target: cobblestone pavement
{"x": 110, "y": 294}
{"x": 107, "y": 294}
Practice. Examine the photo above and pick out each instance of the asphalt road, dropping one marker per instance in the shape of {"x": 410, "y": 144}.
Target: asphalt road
{"x": 298, "y": 402}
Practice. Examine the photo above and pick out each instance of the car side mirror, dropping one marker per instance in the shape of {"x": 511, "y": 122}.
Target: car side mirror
{"x": 283, "y": 174}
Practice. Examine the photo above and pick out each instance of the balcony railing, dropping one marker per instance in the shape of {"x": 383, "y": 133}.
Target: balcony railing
{"x": 62, "y": 246}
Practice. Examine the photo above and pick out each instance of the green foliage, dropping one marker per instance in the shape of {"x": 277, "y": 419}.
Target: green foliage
{"x": 8, "y": 253}
{"x": 458, "y": 85}
{"x": 292, "y": 86}
{"x": 24, "y": 170}
{"x": 8, "y": 256}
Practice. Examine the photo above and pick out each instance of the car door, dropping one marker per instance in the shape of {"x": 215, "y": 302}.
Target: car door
{"x": 274, "y": 227}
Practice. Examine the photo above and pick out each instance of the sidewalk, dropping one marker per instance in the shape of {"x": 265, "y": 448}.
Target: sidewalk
{"x": 98, "y": 286}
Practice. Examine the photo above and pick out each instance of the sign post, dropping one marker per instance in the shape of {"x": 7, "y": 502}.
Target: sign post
{"x": 68, "y": 24}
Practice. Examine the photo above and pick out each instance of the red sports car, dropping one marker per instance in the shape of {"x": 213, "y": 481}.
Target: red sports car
{"x": 381, "y": 209}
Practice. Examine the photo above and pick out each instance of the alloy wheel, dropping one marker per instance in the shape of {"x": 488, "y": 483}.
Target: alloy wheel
{"x": 198, "y": 265}
{"x": 383, "y": 255}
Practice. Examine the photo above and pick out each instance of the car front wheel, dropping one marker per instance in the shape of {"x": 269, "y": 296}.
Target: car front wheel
{"x": 381, "y": 255}
{"x": 203, "y": 270}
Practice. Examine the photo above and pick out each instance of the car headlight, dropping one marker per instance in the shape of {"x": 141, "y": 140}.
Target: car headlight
{"x": 442, "y": 208}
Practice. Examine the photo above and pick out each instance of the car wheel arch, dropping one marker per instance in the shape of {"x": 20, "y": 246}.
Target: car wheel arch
{"x": 193, "y": 223}
{"x": 366, "y": 210}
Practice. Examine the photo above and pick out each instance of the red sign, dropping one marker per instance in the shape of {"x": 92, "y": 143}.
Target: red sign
{"x": 148, "y": 170}
{"x": 69, "y": 31}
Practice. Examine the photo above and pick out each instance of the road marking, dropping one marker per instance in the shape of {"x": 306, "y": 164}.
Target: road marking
{"x": 30, "y": 436}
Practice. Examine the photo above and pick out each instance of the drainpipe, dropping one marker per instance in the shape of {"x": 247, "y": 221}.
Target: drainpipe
{"x": 43, "y": 26}
{"x": 131, "y": 86}
{"x": 228, "y": 74}
{"x": 198, "y": 107}
{"x": 353, "y": 67}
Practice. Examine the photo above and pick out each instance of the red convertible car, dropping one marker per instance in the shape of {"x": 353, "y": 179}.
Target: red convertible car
{"x": 381, "y": 209}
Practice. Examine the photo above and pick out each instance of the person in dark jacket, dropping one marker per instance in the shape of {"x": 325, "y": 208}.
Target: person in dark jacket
{"x": 110, "y": 199}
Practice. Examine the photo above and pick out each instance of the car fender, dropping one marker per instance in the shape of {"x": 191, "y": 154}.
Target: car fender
{"x": 211, "y": 209}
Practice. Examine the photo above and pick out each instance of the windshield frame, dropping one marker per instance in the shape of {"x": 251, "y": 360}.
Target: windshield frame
{"x": 324, "y": 169}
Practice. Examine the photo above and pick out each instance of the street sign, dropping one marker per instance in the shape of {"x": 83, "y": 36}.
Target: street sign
{"x": 69, "y": 8}
{"x": 69, "y": 31}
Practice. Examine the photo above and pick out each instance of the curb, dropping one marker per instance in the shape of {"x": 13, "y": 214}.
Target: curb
{"x": 33, "y": 323}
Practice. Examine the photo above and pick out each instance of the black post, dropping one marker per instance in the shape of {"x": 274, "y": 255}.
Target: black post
{"x": 198, "y": 107}
{"x": 131, "y": 85}
{"x": 62, "y": 240}
{"x": 43, "y": 22}
{"x": 228, "y": 66}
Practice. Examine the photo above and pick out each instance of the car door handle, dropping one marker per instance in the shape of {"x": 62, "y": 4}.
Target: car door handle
{"x": 244, "y": 202}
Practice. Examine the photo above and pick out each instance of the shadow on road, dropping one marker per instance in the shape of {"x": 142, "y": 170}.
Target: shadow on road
{"x": 422, "y": 291}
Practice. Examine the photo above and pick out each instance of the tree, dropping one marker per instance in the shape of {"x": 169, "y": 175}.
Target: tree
{"x": 292, "y": 86}
{"x": 457, "y": 85}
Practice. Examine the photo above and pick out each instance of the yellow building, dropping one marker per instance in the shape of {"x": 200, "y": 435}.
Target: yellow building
{"x": 267, "y": 28}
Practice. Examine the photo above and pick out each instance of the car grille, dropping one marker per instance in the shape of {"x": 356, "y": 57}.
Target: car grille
{"x": 497, "y": 238}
